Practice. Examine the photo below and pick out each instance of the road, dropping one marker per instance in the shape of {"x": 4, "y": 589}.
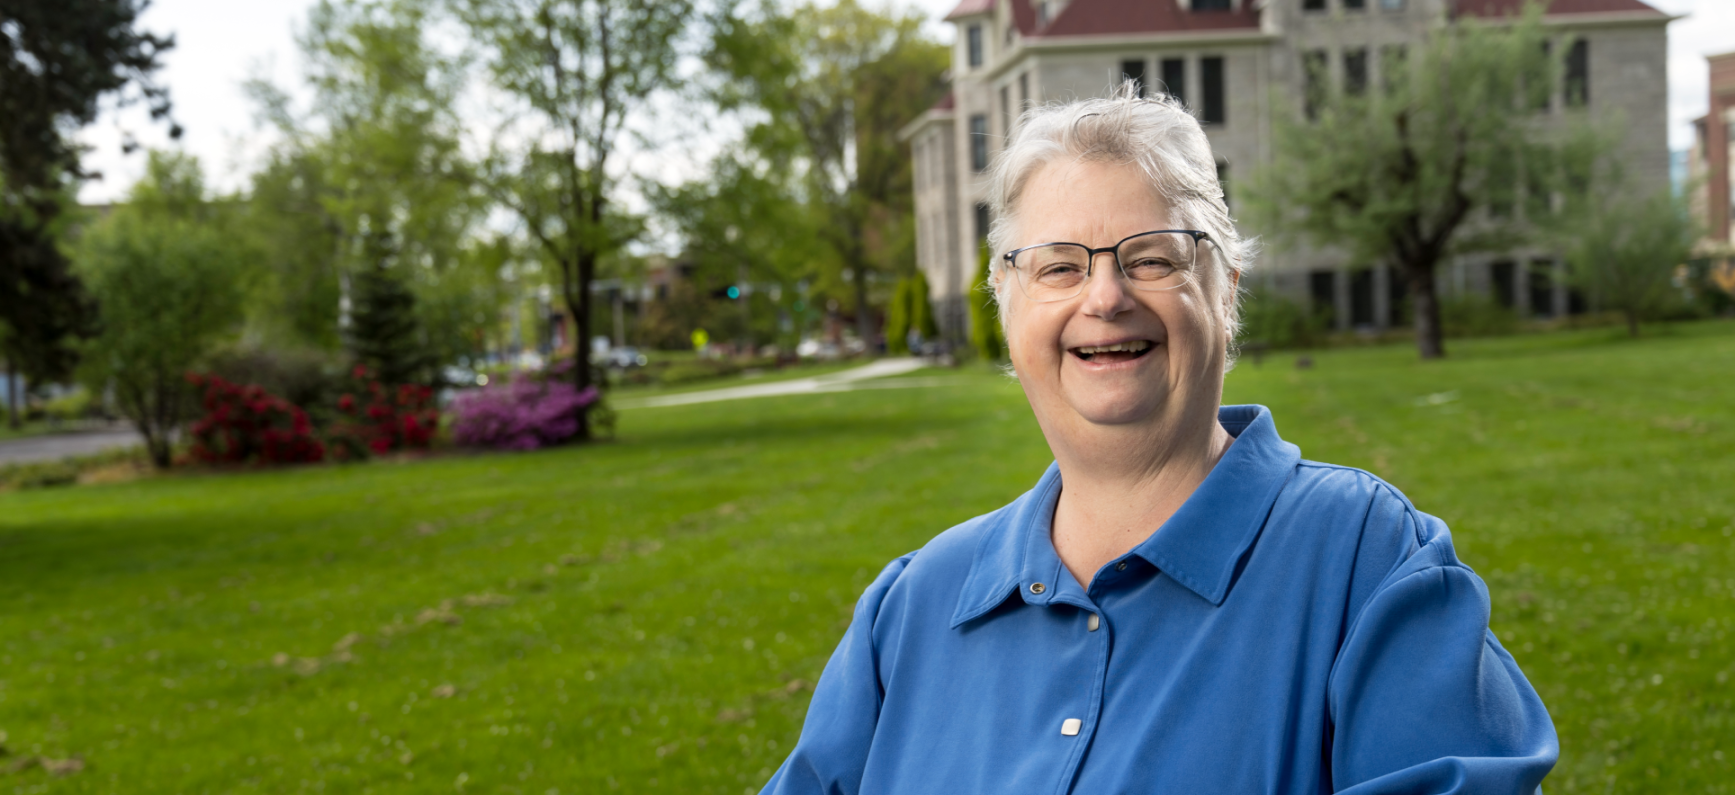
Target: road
{"x": 847, "y": 380}
{"x": 61, "y": 445}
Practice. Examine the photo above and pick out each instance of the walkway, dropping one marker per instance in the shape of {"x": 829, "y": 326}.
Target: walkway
{"x": 61, "y": 445}
{"x": 856, "y": 378}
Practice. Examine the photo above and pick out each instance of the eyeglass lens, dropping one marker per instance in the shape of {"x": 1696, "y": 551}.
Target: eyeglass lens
{"x": 1058, "y": 271}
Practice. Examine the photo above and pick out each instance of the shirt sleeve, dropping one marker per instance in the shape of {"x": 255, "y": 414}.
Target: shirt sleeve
{"x": 831, "y": 755}
{"x": 1424, "y": 699}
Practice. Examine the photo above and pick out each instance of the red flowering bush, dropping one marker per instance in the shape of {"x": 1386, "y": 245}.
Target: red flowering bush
{"x": 379, "y": 418}
{"x": 248, "y": 425}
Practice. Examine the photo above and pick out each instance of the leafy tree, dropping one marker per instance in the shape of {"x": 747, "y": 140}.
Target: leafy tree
{"x": 579, "y": 70}
{"x": 165, "y": 278}
{"x": 1436, "y": 160}
{"x": 835, "y": 83}
{"x": 57, "y": 59}
{"x": 1624, "y": 249}
{"x": 371, "y": 177}
{"x": 985, "y": 332}
{"x": 909, "y": 310}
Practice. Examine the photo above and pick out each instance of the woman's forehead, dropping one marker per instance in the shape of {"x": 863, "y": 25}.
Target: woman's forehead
{"x": 1088, "y": 201}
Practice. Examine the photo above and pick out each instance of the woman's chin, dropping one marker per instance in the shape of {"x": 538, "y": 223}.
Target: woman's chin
{"x": 1116, "y": 407}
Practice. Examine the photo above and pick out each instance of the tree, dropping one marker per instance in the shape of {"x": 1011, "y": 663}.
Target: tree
{"x": 985, "y": 331}
{"x": 166, "y": 281}
{"x": 371, "y": 177}
{"x": 1624, "y": 248}
{"x": 909, "y": 311}
{"x": 580, "y": 69}
{"x": 56, "y": 60}
{"x": 1432, "y": 162}
{"x": 835, "y": 83}
{"x": 385, "y": 334}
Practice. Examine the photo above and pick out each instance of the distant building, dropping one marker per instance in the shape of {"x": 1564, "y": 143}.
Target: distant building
{"x": 1225, "y": 58}
{"x": 1711, "y": 171}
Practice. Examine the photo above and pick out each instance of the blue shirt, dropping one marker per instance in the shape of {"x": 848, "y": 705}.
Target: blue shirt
{"x": 1295, "y": 627}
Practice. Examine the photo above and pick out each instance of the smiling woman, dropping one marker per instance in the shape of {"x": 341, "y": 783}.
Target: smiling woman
{"x": 1181, "y": 603}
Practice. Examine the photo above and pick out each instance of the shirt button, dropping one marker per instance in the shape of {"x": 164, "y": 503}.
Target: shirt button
{"x": 1037, "y": 587}
{"x": 1069, "y": 727}
{"x": 1093, "y": 623}
{"x": 1121, "y": 566}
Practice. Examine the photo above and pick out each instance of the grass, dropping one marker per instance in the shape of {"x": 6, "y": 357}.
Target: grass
{"x": 649, "y": 614}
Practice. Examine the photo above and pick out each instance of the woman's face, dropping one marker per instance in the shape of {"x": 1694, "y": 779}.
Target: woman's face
{"x": 1173, "y": 341}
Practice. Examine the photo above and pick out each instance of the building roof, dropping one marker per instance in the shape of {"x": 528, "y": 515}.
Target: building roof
{"x": 1505, "y": 8}
{"x": 970, "y": 7}
{"x": 1096, "y": 17}
{"x": 945, "y": 103}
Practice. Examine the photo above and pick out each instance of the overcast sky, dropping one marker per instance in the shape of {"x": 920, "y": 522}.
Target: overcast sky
{"x": 220, "y": 43}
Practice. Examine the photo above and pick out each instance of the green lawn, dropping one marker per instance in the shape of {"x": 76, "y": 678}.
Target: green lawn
{"x": 648, "y": 614}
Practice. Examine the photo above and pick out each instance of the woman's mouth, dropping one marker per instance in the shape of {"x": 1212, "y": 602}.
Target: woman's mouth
{"x": 1109, "y": 354}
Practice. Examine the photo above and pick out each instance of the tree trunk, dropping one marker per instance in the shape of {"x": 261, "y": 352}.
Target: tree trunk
{"x": 864, "y": 322}
{"x": 1632, "y": 323}
{"x": 12, "y": 394}
{"x": 1430, "y": 337}
{"x": 578, "y": 307}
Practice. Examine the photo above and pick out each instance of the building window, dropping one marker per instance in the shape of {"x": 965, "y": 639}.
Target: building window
{"x": 1023, "y": 92}
{"x": 1355, "y": 5}
{"x": 1361, "y": 298}
{"x": 1313, "y": 5}
{"x": 1134, "y": 71}
{"x": 1223, "y": 180}
{"x": 1006, "y": 111}
{"x": 1500, "y": 275}
{"x": 1355, "y": 71}
{"x": 1322, "y": 288}
{"x": 1175, "y": 78}
{"x": 1314, "y": 72}
{"x": 1211, "y": 110}
{"x": 973, "y": 43}
{"x": 1041, "y": 14}
{"x": 979, "y": 142}
{"x": 1578, "y": 74}
{"x": 1392, "y": 5}
{"x": 1211, "y": 5}
{"x": 1542, "y": 287}
{"x": 982, "y": 222}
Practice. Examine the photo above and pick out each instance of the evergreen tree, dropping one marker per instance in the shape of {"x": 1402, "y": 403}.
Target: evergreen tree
{"x": 921, "y": 310}
{"x": 384, "y": 332}
{"x": 985, "y": 331}
{"x": 898, "y": 318}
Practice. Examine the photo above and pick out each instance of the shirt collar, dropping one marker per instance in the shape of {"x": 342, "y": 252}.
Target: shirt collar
{"x": 1199, "y": 547}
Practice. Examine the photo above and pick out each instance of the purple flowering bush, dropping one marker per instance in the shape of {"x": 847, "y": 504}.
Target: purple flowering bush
{"x": 521, "y": 414}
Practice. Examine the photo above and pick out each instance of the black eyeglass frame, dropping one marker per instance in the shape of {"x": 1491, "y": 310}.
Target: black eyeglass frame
{"x": 1090, "y": 262}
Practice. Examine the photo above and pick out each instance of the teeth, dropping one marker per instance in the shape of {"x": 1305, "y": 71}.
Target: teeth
{"x": 1131, "y": 347}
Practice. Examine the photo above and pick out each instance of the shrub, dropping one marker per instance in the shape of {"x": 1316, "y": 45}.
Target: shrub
{"x": 309, "y": 378}
{"x": 523, "y": 413}
{"x": 248, "y": 425}
{"x": 1272, "y": 321}
{"x": 1476, "y": 315}
{"x": 378, "y": 418}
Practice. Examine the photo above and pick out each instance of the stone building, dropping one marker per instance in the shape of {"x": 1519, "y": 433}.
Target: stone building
{"x": 1711, "y": 170}
{"x": 1226, "y": 59}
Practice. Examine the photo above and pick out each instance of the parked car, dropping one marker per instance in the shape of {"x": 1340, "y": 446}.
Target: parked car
{"x": 623, "y": 358}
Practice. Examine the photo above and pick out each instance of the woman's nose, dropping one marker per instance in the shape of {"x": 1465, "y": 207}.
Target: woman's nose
{"x": 1106, "y": 293}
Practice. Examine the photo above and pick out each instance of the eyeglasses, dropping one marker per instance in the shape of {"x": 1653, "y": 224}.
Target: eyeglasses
{"x": 1151, "y": 261}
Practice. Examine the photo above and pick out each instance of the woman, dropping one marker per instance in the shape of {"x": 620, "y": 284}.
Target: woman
{"x": 1181, "y": 604}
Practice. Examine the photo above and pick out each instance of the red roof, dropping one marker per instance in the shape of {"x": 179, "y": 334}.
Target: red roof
{"x": 946, "y": 102}
{"x": 1094, "y": 17}
{"x": 967, "y": 7}
{"x": 1505, "y": 8}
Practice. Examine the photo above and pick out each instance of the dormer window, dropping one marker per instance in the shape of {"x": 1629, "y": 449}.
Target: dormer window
{"x": 1042, "y": 13}
{"x": 973, "y": 44}
{"x": 1211, "y": 5}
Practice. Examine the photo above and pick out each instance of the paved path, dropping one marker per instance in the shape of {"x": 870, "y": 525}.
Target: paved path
{"x": 856, "y": 378}
{"x": 61, "y": 445}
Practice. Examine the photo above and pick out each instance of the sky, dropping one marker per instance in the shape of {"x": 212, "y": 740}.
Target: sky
{"x": 222, "y": 43}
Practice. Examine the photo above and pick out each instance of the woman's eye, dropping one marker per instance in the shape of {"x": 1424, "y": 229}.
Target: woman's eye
{"x": 1150, "y": 267}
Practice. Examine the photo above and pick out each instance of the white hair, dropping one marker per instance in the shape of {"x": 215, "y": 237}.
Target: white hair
{"x": 1155, "y": 134}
